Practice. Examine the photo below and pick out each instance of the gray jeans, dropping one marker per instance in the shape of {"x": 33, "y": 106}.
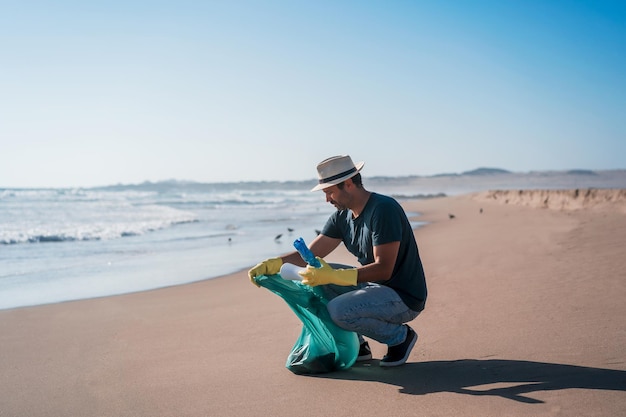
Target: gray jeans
{"x": 371, "y": 310}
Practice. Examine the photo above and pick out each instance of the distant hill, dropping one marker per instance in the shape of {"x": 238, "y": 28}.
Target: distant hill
{"x": 192, "y": 186}
{"x": 477, "y": 171}
{"x": 580, "y": 172}
{"x": 598, "y": 179}
{"x": 486, "y": 171}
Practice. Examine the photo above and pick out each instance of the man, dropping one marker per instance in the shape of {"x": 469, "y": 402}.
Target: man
{"x": 389, "y": 288}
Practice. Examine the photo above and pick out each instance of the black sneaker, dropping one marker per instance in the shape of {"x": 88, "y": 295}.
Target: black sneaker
{"x": 398, "y": 354}
{"x": 365, "y": 354}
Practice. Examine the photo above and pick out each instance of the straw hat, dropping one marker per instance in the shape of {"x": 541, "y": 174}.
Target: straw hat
{"x": 335, "y": 170}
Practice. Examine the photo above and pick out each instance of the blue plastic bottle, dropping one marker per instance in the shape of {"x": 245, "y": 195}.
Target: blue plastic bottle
{"x": 306, "y": 253}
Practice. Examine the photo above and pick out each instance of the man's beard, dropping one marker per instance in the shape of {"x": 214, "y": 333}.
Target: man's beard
{"x": 338, "y": 206}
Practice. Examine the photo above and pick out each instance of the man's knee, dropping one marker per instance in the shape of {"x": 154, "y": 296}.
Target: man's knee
{"x": 333, "y": 308}
{"x": 336, "y": 310}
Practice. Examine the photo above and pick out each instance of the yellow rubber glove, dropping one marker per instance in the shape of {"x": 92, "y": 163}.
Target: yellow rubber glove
{"x": 327, "y": 275}
{"x": 269, "y": 266}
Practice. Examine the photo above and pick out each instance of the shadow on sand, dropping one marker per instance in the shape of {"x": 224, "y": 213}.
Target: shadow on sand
{"x": 510, "y": 379}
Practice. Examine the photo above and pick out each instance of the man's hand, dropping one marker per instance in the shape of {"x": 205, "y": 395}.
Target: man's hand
{"x": 327, "y": 275}
{"x": 267, "y": 267}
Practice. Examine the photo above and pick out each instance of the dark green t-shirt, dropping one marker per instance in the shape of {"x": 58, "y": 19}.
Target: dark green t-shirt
{"x": 383, "y": 221}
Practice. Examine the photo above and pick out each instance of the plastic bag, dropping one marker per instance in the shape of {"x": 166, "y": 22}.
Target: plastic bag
{"x": 322, "y": 345}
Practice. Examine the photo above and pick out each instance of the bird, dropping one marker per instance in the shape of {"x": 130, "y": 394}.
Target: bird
{"x": 278, "y": 237}
{"x": 290, "y": 229}
{"x": 451, "y": 216}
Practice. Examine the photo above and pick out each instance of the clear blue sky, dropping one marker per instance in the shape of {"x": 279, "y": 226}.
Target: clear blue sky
{"x": 95, "y": 93}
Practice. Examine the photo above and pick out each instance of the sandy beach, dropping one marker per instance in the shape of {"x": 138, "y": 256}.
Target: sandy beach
{"x": 525, "y": 317}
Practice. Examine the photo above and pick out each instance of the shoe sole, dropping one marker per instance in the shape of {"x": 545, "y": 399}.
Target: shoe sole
{"x": 405, "y": 358}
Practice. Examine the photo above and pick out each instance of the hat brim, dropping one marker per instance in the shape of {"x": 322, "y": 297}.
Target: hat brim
{"x": 324, "y": 185}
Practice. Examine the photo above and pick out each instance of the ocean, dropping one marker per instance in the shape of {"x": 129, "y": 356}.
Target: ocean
{"x": 67, "y": 244}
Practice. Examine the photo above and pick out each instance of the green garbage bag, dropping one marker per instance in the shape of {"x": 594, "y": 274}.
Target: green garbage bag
{"x": 322, "y": 345}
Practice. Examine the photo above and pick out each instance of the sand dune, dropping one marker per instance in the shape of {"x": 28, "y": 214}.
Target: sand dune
{"x": 613, "y": 199}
